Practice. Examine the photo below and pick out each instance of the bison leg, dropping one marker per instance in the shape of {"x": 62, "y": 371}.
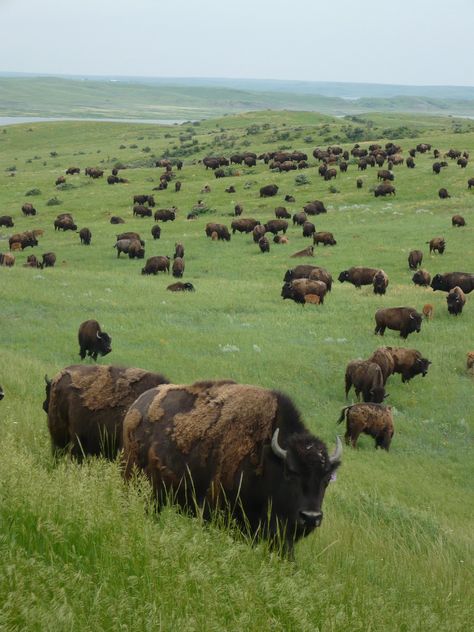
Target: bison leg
{"x": 348, "y": 384}
{"x": 82, "y": 353}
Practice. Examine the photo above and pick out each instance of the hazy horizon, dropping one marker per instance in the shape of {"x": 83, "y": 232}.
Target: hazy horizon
{"x": 405, "y": 43}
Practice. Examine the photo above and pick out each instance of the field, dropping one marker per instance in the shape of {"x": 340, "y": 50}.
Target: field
{"x": 78, "y": 549}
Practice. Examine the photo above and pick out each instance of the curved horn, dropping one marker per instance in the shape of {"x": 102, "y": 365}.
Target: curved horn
{"x": 336, "y": 455}
{"x": 98, "y": 335}
{"x": 279, "y": 452}
{"x": 412, "y": 316}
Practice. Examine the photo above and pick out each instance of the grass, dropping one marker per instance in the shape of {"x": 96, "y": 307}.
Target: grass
{"x": 81, "y": 551}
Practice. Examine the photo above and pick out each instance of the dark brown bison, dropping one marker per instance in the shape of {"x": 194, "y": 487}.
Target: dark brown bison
{"x": 325, "y": 238}
{"x": 470, "y": 183}
{"x": 367, "y": 378}
{"x": 415, "y": 258}
{"x": 330, "y": 174}
{"x": 115, "y": 219}
{"x": 86, "y": 406}
{"x": 282, "y": 213}
{"x": 306, "y": 271}
{"x": 32, "y": 262}
{"x": 358, "y": 276}
{"x": 308, "y": 229}
{"x": 268, "y": 190}
{"x": 447, "y": 281}
{"x": 156, "y": 231}
{"x": 289, "y": 198}
{"x": 421, "y": 277}
{"x": 70, "y": 171}
{"x": 384, "y": 174}
{"x": 384, "y": 189}
{"x": 244, "y": 225}
{"x": 28, "y": 209}
{"x": 178, "y": 267}
{"x": 375, "y": 420}
{"x": 26, "y": 239}
{"x": 221, "y": 445}
{"x": 306, "y": 252}
{"x": 48, "y": 260}
{"x": 2, "y": 394}
{"x": 258, "y": 232}
{"x": 437, "y": 244}
{"x": 406, "y": 320}
{"x": 230, "y": 189}
{"x": 238, "y": 210}
{"x": 297, "y": 290}
{"x": 140, "y": 210}
{"x": 359, "y": 183}
{"x": 180, "y": 287}
{"x": 7, "y": 221}
{"x": 64, "y": 224}
{"x": 456, "y": 300}
{"x": 443, "y": 193}
{"x": 300, "y": 218}
{"x": 7, "y": 259}
{"x": 384, "y": 359}
{"x": 144, "y": 199}
{"x": 276, "y": 225}
{"x": 178, "y": 250}
{"x": 156, "y": 264}
{"x": 131, "y": 235}
{"x": 408, "y": 362}
{"x": 221, "y": 230}
{"x": 456, "y": 220}
{"x": 85, "y": 236}
{"x": 316, "y": 207}
{"x": 380, "y": 282}
{"x": 410, "y": 163}
{"x": 123, "y": 245}
{"x": 264, "y": 244}
{"x": 135, "y": 250}
{"x": 177, "y": 186}
{"x": 165, "y": 215}
{"x": 92, "y": 340}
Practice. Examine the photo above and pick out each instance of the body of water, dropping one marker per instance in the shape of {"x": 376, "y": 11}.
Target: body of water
{"x": 16, "y": 120}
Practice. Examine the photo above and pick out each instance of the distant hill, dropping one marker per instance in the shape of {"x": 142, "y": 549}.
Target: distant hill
{"x": 185, "y": 99}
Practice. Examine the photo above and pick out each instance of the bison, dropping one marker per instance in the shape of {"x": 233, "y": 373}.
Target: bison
{"x": 178, "y": 267}
{"x": 244, "y": 225}
{"x": 456, "y": 300}
{"x": 264, "y": 244}
{"x": 421, "y": 277}
{"x": 415, "y": 258}
{"x": 7, "y": 259}
{"x": 297, "y": 290}
{"x": 48, "y": 260}
{"x": 115, "y": 219}
{"x": 276, "y": 225}
{"x": 367, "y": 378}
{"x": 380, "y": 282}
{"x": 85, "y": 236}
{"x": 28, "y": 209}
{"x": 220, "y": 445}
{"x": 156, "y": 231}
{"x": 437, "y": 244}
{"x": 443, "y": 194}
{"x": 384, "y": 359}
{"x": 456, "y": 220}
{"x": 282, "y": 213}
{"x": 384, "y": 189}
{"x": 306, "y": 252}
{"x": 325, "y": 238}
{"x": 406, "y": 320}
{"x": 221, "y": 230}
{"x": 7, "y": 221}
{"x": 156, "y": 264}
{"x": 299, "y": 218}
{"x": 92, "y": 340}
{"x": 428, "y": 311}
{"x": 316, "y": 207}
{"x": 140, "y": 210}
{"x": 86, "y": 406}
{"x": 308, "y": 229}
{"x": 178, "y": 250}
{"x": 408, "y": 362}
{"x": 375, "y": 420}
{"x": 358, "y": 276}
{"x": 180, "y": 287}
{"x": 268, "y": 190}
{"x": 26, "y": 239}
{"x": 165, "y": 215}
{"x": 447, "y": 281}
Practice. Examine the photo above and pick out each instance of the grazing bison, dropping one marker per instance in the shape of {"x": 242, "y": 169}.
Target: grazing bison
{"x": 258, "y": 232}
{"x": 156, "y": 231}
{"x": 282, "y": 213}
{"x": 136, "y": 250}
{"x": 421, "y": 277}
{"x": 264, "y": 244}
{"x": 316, "y": 207}
{"x": 7, "y": 221}
{"x": 216, "y": 445}
{"x": 276, "y": 225}
{"x": 268, "y": 190}
{"x": 306, "y": 252}
{"x": 409, "y": 362}
{"x": 470, "y": 360}
{"x": 359, "y": 183}
{"x": 289, "y": 198}
{"x": 123, "y": 245}
{"x": 86, "y": 406}
{"x": 49, "y": 260}
{"x": 28, "y": 209}
{"x": 384, "y": 174}
{"x": 92, "y": 340}
{"x": 221, "y": 230}
{"x": 64, "y": 224}
{"x": 367, "y": 378}
{"x": 244, "y": 225}
{"x": 144, "y": 199}
{"x": 325, "y": 238}
{"x": 456, "y": 300}
{"x": 358, "y": 276}
{"x": 384, "y": 189}
{"x": 140, "y": 210}
{"x": 32, "y": 262}
{"x": 447, "y": 281}
{"x": 308, "y": 229}
{"x": 156, "y": 264}
{"x": 380, "y": 282}
{"x": 70, "y": 171}
{"x": 456, "y": 220}
{"x": 165, "y": 215}
{"x": 375, "y": 420}
{"x": 300, "y": 218}
{"x": 7, "y": 259}
{"x": 384, "y": 359}
{"x": 306, "y": 271}
{"x": 180, "y": 287}
{"x": 115, "y": 219}
{"x": 427, "y": 311}
{"x": 26, "y": 239}
{"x": 406, "y": 320}
{"x": 85, "y": 236}
{"x": 414, "y": 259}
{"x": 297, "y": 289}
{"x": 131, "y": 235}
{"x": 437, "y": 244}
{"x": 443, "y": 194}
{"x": 178, "y": 250}
{"x": 178, "y": 267}
{"x": 238, "y": 210}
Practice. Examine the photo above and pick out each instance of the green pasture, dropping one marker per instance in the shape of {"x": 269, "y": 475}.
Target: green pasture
{"x": 78, "y": 549}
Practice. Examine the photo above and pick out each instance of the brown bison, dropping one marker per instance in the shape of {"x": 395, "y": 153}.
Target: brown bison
{"x": 92, "y": 340}
{"x": 26, "y": 239}
{"x": 115, "y": 219}
{"x": 470, "y": 360}
{"x": 221, "y": 230}
{"x": 64, "y": 224}
{"x": 156, "y": 264}
{"x": 7, "y": 259}
{"x": 70, "y": 171}
{"x": 258, "y": 232}
{"x": 264, "y": 244}
{"x": 136, "y": 250}
{"x": 443, "y": 194}
{"x": 308, "y": 229}
{"x": 2, "y": 394}
{"x": 221, "y": 445}
{"x": 306, "y": 271}
{"x": 299, "y": 218}
{"x": 85, "y": 236}
{"x": 306, "y": 252}
{"x": 456, "y": 300}
{"x": 384, "y": 174}
{"x": 178, "y": 250}
{"x": 178, "y": 267}
{"x": 325, "y": 238}
{"x": 445, "y": 282}
{"x": 358, "y": 276}
{"x": 244, "y": 225}
{"x": 437, "y": 244}
{"x": 48, "y": 260}
{"x": 180, "y": 287}
{"x": 428, "y": 311}
{"x": 297, "y": 290}
{"x": 86, "y": 406}
{"x": 268, "y": 190}
{"x": 408, "y": 362}
{"x": 456, "y": 220}
{"x": 131, "y": 235}
{"x": 384, "y": 189}
{"x": 367, "y": 378}
{"x": 372, "y": 419}
{"x": 415, "y": 258}
{"x": 7, "y": 221}
{"x": 156, "y": 231}
{"x": 140, "y": 210}
{"x": 380, "y": 282}
{"x": 383, "y": 357}
{"x": 144, "y": 199}
{"x": 276, "y": 225}
{"x": 165, "y": 215}
{"x": 406, "y": 320}
{"x": 282, "y": 213}
{"x": 421, "y": 277}
{"x": 28, "y": 209}
{"x": 316, "y": 207}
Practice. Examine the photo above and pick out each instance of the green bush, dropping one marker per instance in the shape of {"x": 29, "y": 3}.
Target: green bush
{"x": 33, "y": 192}
{"x": 54, "y": 201}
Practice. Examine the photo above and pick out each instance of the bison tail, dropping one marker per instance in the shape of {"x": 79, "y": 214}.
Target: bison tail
{"x": 343, "y": 414}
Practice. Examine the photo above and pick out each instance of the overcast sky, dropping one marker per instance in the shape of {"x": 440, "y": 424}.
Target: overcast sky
{"x": 425, "y": 42}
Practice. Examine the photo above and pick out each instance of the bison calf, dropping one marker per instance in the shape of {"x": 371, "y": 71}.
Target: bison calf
{"x": 374, "y": 420}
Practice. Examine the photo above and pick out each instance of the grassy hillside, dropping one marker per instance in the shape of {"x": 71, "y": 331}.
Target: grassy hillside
{"x": 78, "y": 549}
{"x": 59, "y": 97}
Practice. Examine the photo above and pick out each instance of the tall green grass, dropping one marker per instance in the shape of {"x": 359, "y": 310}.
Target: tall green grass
{"x": 79, "y": 550}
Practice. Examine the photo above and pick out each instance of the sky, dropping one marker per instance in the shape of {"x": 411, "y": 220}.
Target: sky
{"x": 412, "y": 42}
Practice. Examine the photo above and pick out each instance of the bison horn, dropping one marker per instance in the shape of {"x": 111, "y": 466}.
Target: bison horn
{"x": 412, "y": 316}
{"x": 277, "y": 450}
{"x": 98, "y": 335}
{"x": 336, "y": 455}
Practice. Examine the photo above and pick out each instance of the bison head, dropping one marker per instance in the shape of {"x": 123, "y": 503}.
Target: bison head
{"x": 438, "y": 282}
{"x": 104, "y": 342}
{"x": 297, "y": 476}
{"x": 344, "y": 276}
{"x": 287, "y": 291}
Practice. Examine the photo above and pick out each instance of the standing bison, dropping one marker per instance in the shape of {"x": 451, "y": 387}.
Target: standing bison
{"x": 406, "y": 320}
{"x": 367, "y": 378}
{"x": 214, "y": 445}
{"x": 269, "y": 190}
{"x": 86, "y": 406}
{"x": 375, "y": 420}
{"x": 456, "y": 300}
{"x": 358, "y": 276}
{"x": 449, "y": 280}
{"x": 92, "y": 340}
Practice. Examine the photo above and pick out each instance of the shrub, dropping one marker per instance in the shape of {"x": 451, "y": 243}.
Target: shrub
{"x": 333, "y": 189}
{"x": 11, "y": 168}
{"x": 54, "y": 201}
{"x": 33, "y": 192}
{"x": 65, "y": 186}
{"x": 301, "y": 178}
